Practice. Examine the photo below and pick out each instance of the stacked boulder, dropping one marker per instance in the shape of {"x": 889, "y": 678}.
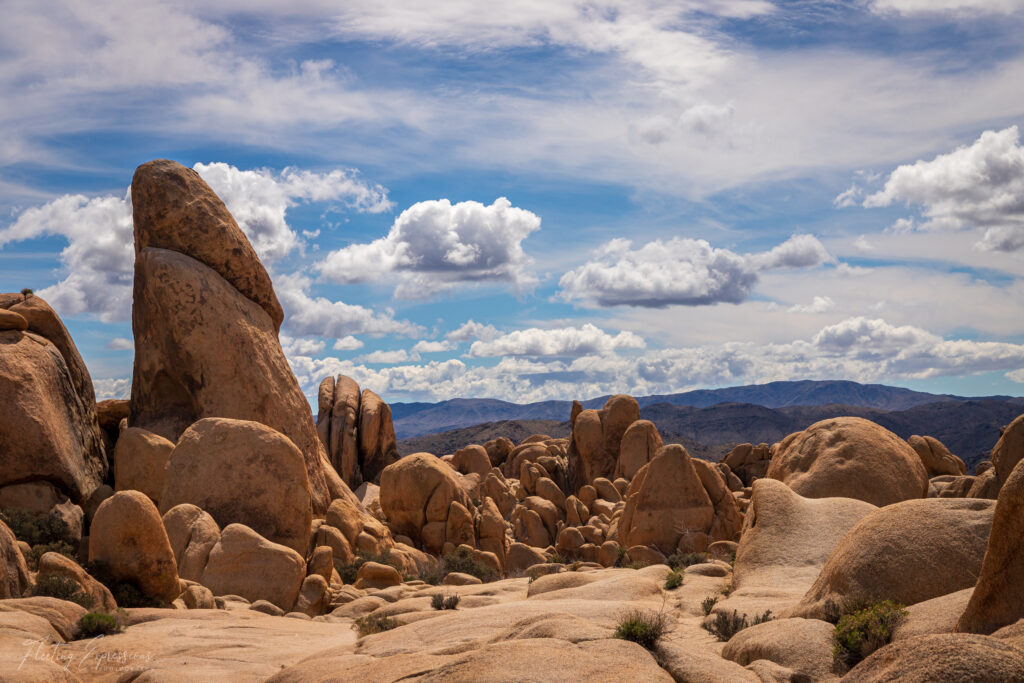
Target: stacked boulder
{"x": 749, "y": 462}
{"x": 356, "y": 429}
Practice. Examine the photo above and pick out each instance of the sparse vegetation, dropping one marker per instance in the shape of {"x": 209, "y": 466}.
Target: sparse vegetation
{"x": 64, "y": 588}
{"x": 643, "y": 627}
{"x": 684, "y": 560}
{"x": 43, "y": 532}
{"x": 708, "y": 604}
{"x": 558, "y": 558}
{"x": 27, "y": 292}
{"x": 727, "y": 590}
{"x": 673, "y": 580}
{"x": 126, "y": 593}
{"x": 863, "y": 629}
{"x": 374, "y": 623}
{"x": 441, "y": 601}
{"x": 726, "y": 625}
{"x": 348, "y": 572}
{"x": 461, "y": 560}
{"x": 95, "y": 624}
{"x": 620, "y": 558}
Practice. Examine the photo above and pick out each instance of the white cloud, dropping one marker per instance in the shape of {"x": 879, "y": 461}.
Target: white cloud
{"x": 471, "y": 330}
{"x": 424, "y": 346}
{"x": 348, "y": 343}
{"x": 118, "y": 387}
{"x": 680, "y": 272}
{"x": 1016, "y": 376}
{"x": 301, "y": 346}
{"x": 564, "y": 341}
{"x": 259, "y": 199}
{"x": 978, "y": 186}
{"x": 435, "y": 245}
{"x": 388, "y": 357}
{"x": 819, "y": 304}
{"x": 121, "y": 344}
{"x": 911, "y": 7}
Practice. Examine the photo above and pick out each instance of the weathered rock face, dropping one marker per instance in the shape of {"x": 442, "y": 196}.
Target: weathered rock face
{"x": 596, "y": 438}
{"x": 55, "y": 564}
{"x": 849, "y": 457}
{"x": 140, "y": 462}
{"x": 192, "y": 534}
{"x": 173, "y": 208}
{"x": 1009, "y": 450}
{"x": 14, "y": 577}
{"x": 908, "y": 552}
{"x": 416, "y": 494}
{"x": 749, "y": 462}
{"x": 935, "y": 457}
{"x": 48, "y": 427}
{"x": 357, "y": 430}
{"x": 666, "y": 504}
{"x": 242, "y": 472}
{"x": 942, "y": 657}
{"x": 998, "y": 598}
{"x": 246, "y": 564}
{"x": 128, "y": 536}
{"x": 639, "y": 444}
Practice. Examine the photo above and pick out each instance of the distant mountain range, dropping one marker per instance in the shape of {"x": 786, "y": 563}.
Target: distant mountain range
{"x": 710, "y": 422}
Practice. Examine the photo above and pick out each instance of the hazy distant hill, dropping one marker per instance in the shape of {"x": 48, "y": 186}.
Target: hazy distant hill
{"x": 968, "y": 427}
{"x": 415, "y": 419}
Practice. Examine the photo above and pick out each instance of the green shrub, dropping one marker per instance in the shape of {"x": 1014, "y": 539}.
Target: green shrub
{"x": 726, "y": 625}
{"x": 36, "y": 528}
{"x": 684, "y": 560}
{"x": 708, "y": 604}
{"x": 37, "y": 552}
{"x": 64, "y": 588}
{"x": 461, "y": 560}
{"x": 27, "y": 292}
{"x": 374, "y": 623}
{"x": 862, "y": 631}
{"x": 673, "y": 580}
{"x": 643, "y": 627}
{"x": 441, "y": 601}
{"x": 620, "y": 557}
{"x": 94, "y": 624}
{"x": 558, "y": 558}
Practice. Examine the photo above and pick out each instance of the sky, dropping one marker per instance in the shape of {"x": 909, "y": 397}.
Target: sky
{"x": 545, "y": 200}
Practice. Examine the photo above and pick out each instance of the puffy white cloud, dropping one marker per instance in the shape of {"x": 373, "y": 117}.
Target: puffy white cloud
{"x": 434, "y": 245}
{"x": 320, "y": 316}
{"x": 424, "y": 346}
{"x": 1016, "y": 375}
{"x": 117, "y": 387}
{"x": 912, "y": 7}
{"x": 259, "y": 199}
{"x": 471, "y": 330}
{"x": 563, "y": 341}
{"x": 978, "y": 186}
{"x": 388, "y": 357}
{"x": 121, "y": 344}
{"x": 819, "y": 304}
{"x": 680, "y": 272}
{"x": 348, "y": 343}
{"x": 301, "y": 346}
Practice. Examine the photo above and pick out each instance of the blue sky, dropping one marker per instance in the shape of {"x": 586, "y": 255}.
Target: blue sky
{"x": 540, "y": 200}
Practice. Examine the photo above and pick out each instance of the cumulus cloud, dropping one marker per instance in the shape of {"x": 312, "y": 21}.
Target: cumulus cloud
{"x": 680, "y": 271}
{"x": 564, "y": 341}
{"x": 819, "y": 304}
{"x": 471, "y": 330}
{"x": 121, "y": 344}
{"x": 388, "y": 357}
{"x": 424, "y": 346}
{"x": 435, "y": 245}
{"x": 977, "y": 186}
{"x": 117, "y": 387}
{"x": 348, "y": 343}
{"x": 301, "y": 346}
{"x": 912, "y": 7}
{"x": 319, "y": 316}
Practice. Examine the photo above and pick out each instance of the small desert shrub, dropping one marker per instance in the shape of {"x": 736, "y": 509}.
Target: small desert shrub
{"x": 708, "y": 604}
{"x": 37, "y": 551}
{"x": 43, "y": 532}
{"x": 126, "y": 592}
{"x": 620, "y": 558}
{"x": 27, "y": 292}
{"x": 558, "y": 558}
{"x": 861, "y": 632}
{"x": 440, "y": 601}
{"x": 64, "y": 588}
{"x": 684, "y": 560}
{"x": 461, "y": 560}
{"x": 726, "y": 625}
{"x": 727, "y": 590}
{"x": 643, "y": 627}
{"x": 349, "y": 571}
{"x": 673, "y": 580}
{"x": 374, "y": 623}
{"x": 95, "y": 624}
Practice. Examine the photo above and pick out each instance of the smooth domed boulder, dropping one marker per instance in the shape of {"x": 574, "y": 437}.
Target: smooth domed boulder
{"x": 140, "y": 462}
{"x": 786, "y": 540}
{"x": 728, "y": 519}
{"x": 418, "y": 490}
{"x": 242, "y": 472}
{"x": 472, "y": 459}
{"x": 498, "y": 450}
{"x": 192, "y": 534}
{"x": 127, "y": 536}
{"x": 801, "y": 645}
{"x": 664, "y": 502}
{"x": 173, "y": 208}
{"x": 998, "y": 598}
{"x": 596, "y": 438}
{"x": 9, "y": 320}
{"x": 849, "y": 457}
{"x": 14, "y": 576}
{"x": 639, "y": 444}
{"x": 246, "y": 564}
{"x": 1009, "y": 450}
{"x": 378, "y": 447}
{"x": 908, "y": 552}
{"x": 941, "y": 657}
{"x": 935, "y": 457}
{"x": 377, "y": 575}
{"x": 53, "y": 565}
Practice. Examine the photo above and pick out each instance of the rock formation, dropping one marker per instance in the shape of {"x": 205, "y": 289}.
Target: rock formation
{"x": 596, "y": 438}
{"x": 935, "y": 457}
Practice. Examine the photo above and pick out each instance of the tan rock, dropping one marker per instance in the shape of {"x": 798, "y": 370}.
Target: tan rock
{"x": 695, "y": 662}
{"x": 1009, "y": 450}
{"x": 639, "y": 444}
{"x": 460, "y": 527}
{"x": 128, "y": 537}
{"x": 378, "y": 447}
{"x": 55, "y": 564}
{"x": 849, "y": 457}
{"x": 246, "y": 564}
{"x": 343, "y": 422}
{"x": 192, "y": 534}
{"x": 9, "y": 320}
{"x": 935, "y": 457}
{"x": 14, "y": 576}
{"x": 490, "y": 531}
{"x": 460, "y": 579}
{"x": 314, "y": 596}
{"x": 418, "y": 490}
{"x": 942, "y": 657}
{"x": 748, "y": 462}
{"x": 728, "y": 519}
{"x": 908, "y": 552}
{"x": 321, "y": 562}
{"x": 140, "y": 462}
{"x": 521, "y": 557}
{"x": 802, "y": 645}
{"x": 596, "y": 439}
{"x": 936, "y": 615}
{"x": 242, "y": 472}
{"x": 44, "y": 497}
{"x": 377, "y": 575}
{"x": 985, "y": 485}
{"x": 472, "y": 459}
{"x": 529, "y": 528}
{"x": 498, "y": 450}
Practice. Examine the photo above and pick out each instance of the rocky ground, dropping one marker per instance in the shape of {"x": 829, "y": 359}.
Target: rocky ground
{"x": 210, "y": 529}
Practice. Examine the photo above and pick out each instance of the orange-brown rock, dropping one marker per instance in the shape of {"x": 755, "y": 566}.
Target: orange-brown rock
{"x": 640, "y": 442}
{"x": 749, "y": 462}
{"x": 849, "y": 457}
{"x": 192, "y": 534}
{"x": 941, "y": 657}
{"x": 14, "y": 576}
{"x": 242, "y": 472}
{"x": 378, "y": 447}
{"x": 1009, "y": 450}
{"x": 418, "y": 490}
{"x": 596, "y": 438}
{"x": 935, "y": 457}
{"x": 128, "y": 537}
{"x": 246, "y": 564}
{"x": 140, "y": 462}
{"x": 498, "y": 450}
{"x": 57, "y": 565}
